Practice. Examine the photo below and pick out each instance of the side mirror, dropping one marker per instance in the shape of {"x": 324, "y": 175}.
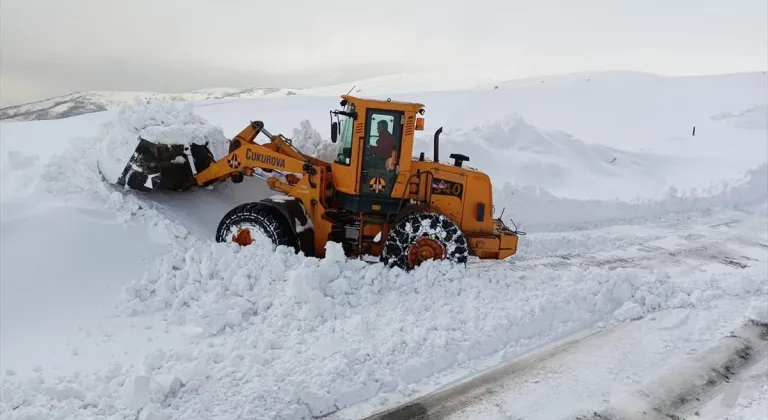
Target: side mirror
{"x": 334, "y": 131}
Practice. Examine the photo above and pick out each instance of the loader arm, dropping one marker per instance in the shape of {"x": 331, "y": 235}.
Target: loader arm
{"x": 277, "y": 143}
{"x": 246, "y": 155}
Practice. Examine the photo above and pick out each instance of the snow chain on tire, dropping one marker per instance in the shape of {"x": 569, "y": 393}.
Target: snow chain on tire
{"x": 414, "y": 226}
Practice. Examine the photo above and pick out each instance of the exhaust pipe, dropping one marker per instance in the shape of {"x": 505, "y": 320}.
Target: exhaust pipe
{"x": 437, "y": 144}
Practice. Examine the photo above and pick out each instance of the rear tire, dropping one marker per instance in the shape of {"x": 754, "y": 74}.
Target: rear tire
{"x": 245, "y": 220}
{"x": 420, "y": 236}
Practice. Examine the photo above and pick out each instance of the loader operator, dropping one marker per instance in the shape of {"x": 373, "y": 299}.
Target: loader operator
{"x": 386, "y": 143}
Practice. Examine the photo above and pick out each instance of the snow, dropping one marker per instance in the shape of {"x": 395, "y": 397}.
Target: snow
{"x": 134, "y": 312}
{"x": 619, "y": 369}
{"x": 395, "y": 84}
{"x": 281, "y": 198}
{"x": 160, "y": 123}
{"x": 754, "y": 118}
{"x": 311, "y": 142}
{"x": 758, "y": 312}
{"x": 79, "y": 103}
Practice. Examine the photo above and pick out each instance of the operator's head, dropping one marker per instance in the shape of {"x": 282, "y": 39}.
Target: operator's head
{"x": 382, "y": 125}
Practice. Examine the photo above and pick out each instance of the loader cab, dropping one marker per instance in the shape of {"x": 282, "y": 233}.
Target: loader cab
{"x": 374, "y": 145}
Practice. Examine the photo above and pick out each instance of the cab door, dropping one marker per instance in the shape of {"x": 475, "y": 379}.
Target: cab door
{"x": 381, "y": 152}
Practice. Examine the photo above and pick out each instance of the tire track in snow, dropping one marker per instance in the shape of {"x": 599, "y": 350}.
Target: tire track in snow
{"x": 442, "y": 403}
{"x": 678, "y": 247}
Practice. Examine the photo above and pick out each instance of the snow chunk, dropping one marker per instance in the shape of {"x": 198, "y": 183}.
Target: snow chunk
{"x": 281, "y": 198}
{"x": 629, "y": 311}
{"x": 167, "y": 383}
{"x": 309, "y": 141}
{"x": 758, "y": 311}
{"x": 154, "y": 360}
{"x": 189, "y": 371}
{"x": 136, "y": 391}
{"x": 319, "y": 404}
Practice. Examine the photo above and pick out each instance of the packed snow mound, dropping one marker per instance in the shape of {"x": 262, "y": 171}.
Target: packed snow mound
{"x": 311, "y": 142}
{"x": 515, "y": 151}
{"x": 160, "y": 122}
{"x": 301, "y": 336}
{"x": 755, "y": 118}
{"x": 537, "y": 209}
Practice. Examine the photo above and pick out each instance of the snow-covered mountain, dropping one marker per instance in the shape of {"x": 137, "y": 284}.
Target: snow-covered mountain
{"x": 79, "y": 103}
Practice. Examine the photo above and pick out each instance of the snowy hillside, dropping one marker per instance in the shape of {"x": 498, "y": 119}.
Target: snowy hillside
{"x": 87, "y": 102}
{"x": 646, "y": 246}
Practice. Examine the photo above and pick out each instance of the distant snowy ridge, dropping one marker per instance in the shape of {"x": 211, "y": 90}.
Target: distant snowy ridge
{"x": 79, "y": 103}
{"x": 95, "y": 101}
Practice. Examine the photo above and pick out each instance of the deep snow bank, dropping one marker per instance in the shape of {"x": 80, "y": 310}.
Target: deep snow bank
{"x": 509, "y": 149}
{"x": 161, "y": 122}
{"x": 537, "y": 209}
{"x": 286, "y": 337}
{"x": 165, "y": 122}
{"x": 311, "y": 142}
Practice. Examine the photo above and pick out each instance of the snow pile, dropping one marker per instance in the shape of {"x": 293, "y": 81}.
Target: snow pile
{"x": 294, "y": 336}
{"x": 159, "y": 122}
{"x": 311, "y": 142}
{"x": 538, "y": 209}
{"x": 509, "y": 148}
{"x": 755, "y": 118}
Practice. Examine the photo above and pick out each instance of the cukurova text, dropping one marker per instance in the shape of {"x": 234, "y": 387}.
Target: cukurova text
{"x": 262, "y": 158}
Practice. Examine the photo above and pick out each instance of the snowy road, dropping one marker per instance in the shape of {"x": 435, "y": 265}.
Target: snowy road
{"x": 596, "y": 367}
{"x": 598, "y": 376}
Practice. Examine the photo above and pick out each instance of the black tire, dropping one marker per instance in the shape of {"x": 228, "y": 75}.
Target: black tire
{"x": 417, "y": 225}
{"x": 261, "y": 216}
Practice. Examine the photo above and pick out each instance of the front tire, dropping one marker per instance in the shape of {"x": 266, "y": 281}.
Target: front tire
{"x": 422, "y": 236}
{"x": 245, "y": 222}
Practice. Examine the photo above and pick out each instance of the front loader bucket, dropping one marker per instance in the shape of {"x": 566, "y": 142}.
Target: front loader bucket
{"x": 167, "y": 167}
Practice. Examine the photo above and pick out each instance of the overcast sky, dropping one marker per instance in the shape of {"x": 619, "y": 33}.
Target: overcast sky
{"x": 52, "y": 47}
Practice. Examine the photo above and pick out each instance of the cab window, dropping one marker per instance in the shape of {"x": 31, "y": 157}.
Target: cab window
{"x": 382, "y": 138}
{"x": 344, "y": 148}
